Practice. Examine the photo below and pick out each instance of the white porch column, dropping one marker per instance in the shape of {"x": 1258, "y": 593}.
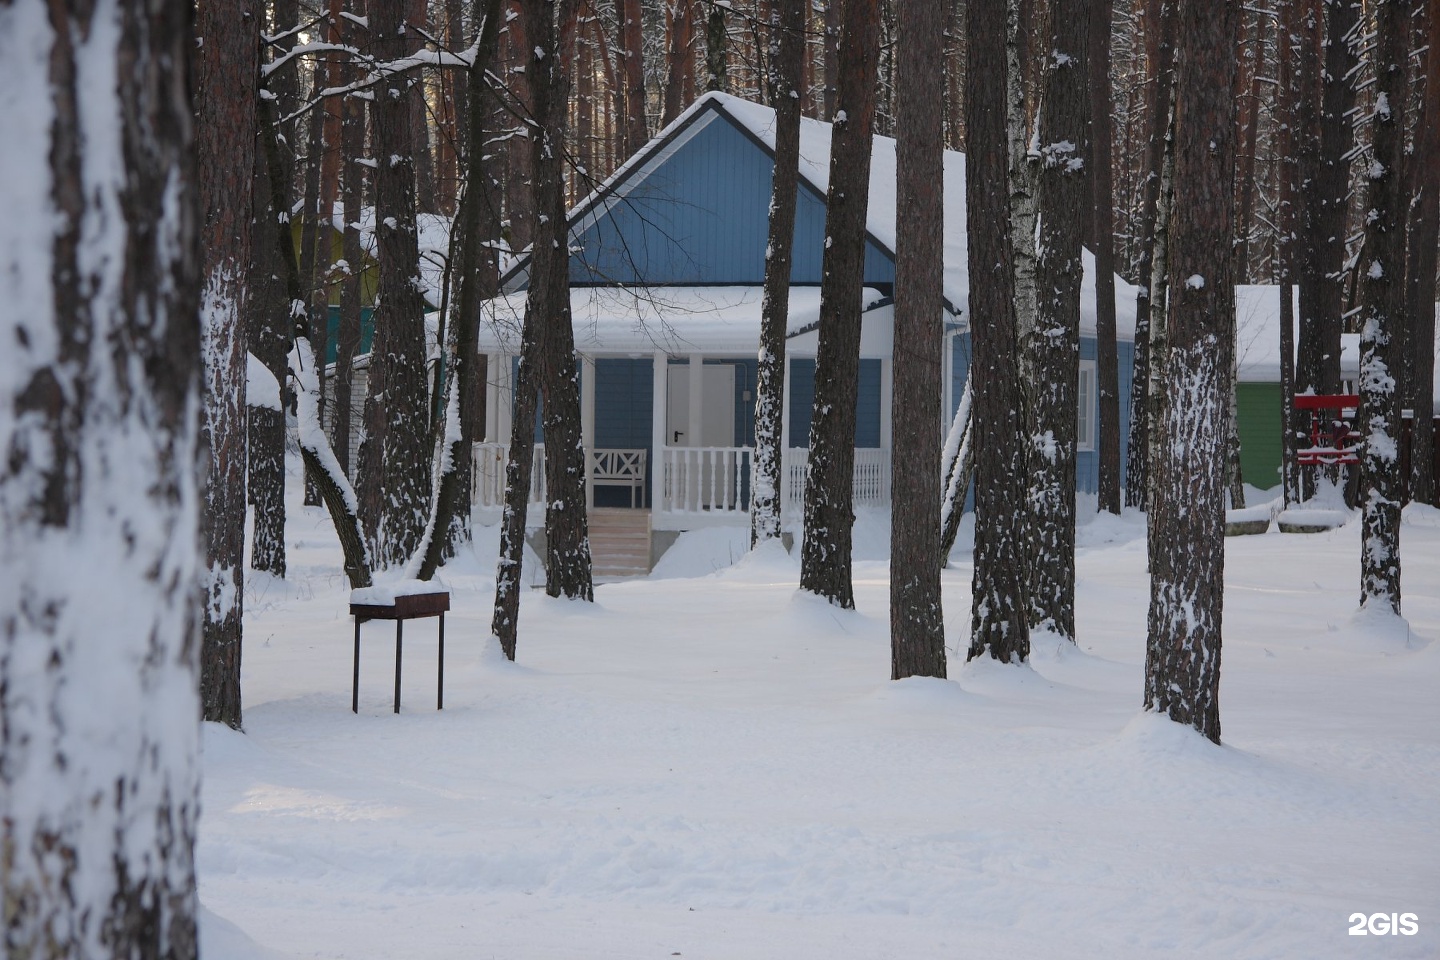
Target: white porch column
{"x": 887, "y": 396}
{"x": 697, "y": 397}
{"x": 659, "y": 400}
{"x": 587, "y": 420}
{"x": 783, "y": 493}
{"x": 504, "y": 398}
{"x": 492, "y": 398}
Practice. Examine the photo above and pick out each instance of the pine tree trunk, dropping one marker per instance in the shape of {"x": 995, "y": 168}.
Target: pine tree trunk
{"x": 632, "y": 56}
{"x": 398, "y": 391}
{"x": 227, "y": 72}
{"x": 567, "y": 539}
{"x": 767, "y": 495}
{"x": 98, "y": 811}
{"x": 825, "y": 556}
{"x": 999, "y": 627}
{"x": 1182, "y": 661}
{"x": 267, "y": 324}
{"x": 1382, "y": 292}
{"x": 1286, "y": 41}
{"x": 715, "y": 48}
{"x": 347, "y": 334}
{"x": 450, "y": 514}
{"x": 519, "y": 466}
{"x": 1107, "y": 363}
{"x": 832, "y": 57}
{"x": 314, "y": 256}
{"x": 1054, "y": 346}
{"x": 917, "y": 627}
{"x": 1159, "y": 35}
{"x": 1420, "y": 274}
{"x": 319, "y": 459}
{"x": 425, "y": 194}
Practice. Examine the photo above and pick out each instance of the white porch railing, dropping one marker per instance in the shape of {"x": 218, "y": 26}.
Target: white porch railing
{"x": 488, "y": 479}
{"x": 710, "y": 481}
{"x": 870, "y": 485}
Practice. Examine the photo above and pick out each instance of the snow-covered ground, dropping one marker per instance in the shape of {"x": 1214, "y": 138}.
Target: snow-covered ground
{"x": 706, "y": 764}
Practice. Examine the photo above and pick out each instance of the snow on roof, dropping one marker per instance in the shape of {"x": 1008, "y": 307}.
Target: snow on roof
{"x": 1257, "y": 338}
{"x": 679, "y": 320}
{"x": 759, "y": 121}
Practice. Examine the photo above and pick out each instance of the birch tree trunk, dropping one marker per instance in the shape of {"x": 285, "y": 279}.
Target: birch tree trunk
{"x": 999, "y": 627}
{"x": 227, "y": 74}
{"x": 917, "y": 628}
{"x": 1382, "y": 336}
{"x": 1187, "y": 568}
{"x": 99, "y": 503}
{"x": 825, "y": 555}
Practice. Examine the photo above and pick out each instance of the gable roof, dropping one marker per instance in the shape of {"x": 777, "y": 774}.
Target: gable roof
{"x": 757, "y": 123}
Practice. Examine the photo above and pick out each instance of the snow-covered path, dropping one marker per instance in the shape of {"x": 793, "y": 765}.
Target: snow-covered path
{"x": 718, "y": 767}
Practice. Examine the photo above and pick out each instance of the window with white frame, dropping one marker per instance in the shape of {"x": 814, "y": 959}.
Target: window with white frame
{"x": 1085, "y": 407}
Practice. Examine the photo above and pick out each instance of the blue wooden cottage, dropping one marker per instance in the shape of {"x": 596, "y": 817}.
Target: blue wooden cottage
{"x": 667, "y": 263}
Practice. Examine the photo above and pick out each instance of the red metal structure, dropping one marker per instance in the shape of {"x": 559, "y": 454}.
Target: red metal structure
{"x": 1333, "y": 437}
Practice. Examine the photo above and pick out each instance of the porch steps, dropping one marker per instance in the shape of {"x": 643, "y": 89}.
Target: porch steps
{"x": 619, "y": 542}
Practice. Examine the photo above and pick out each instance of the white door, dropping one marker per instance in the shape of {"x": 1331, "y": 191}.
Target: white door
{"x": 717, "y": 407}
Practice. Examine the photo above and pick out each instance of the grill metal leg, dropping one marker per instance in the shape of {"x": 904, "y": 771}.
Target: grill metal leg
{"x": 440, "y": 678}
{"x": 399, "y": 633}
{"x": 355, "y": 683}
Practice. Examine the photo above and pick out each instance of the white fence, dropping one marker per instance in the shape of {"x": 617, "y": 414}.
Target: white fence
{"x": 697, "y": 481}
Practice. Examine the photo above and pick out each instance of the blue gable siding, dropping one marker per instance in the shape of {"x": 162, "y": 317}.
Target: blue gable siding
{"x": 802, "y": 402}
{"x": 702, "y": 217}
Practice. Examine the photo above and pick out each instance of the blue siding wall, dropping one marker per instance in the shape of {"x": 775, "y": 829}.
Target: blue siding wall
{"x": 1087, "y": 462}
{"x": 702, "y": 218}
{"x": 623, "y": 391}
{"x": 802, "y": 402}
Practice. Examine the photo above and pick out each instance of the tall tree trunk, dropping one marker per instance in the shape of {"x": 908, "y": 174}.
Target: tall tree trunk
{"x": 450, "y": 514}
{"x": 679, "y": 65}
{"x": 519, "y": 466}
{"x": 917, "y": 628}
{"x": 520, "y": 174}
{"x": 1159, "y": 38}
{"x": 825, "y": 556}
{"x": 716, "y": 42}
{"x": 1286, "y": 41}
{"x": 832, "y": 57}
{"x": 1182, "y": 660}
{"x": 227, "y": 74}
{"x": 267, "y": 324}
{"x": 315, "y": 250}
{"x": 1383, "y": 304}
{"x": 632, "y": 55}
{"x": 1107, "y": 364}
{"x": 998, "y": 625}
{"x": 425, "y": 194}
{"x": 1054, "y": 346}
{"x": 319, "y": 460}
{"x": 567, "y": 538}
{"x": 1420, "y": 273}
{"x": 98, "y": 810}
{"x": 398, "y": 390}
{"x": 767, "y": 492}
{"x": 347, "y": 334}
